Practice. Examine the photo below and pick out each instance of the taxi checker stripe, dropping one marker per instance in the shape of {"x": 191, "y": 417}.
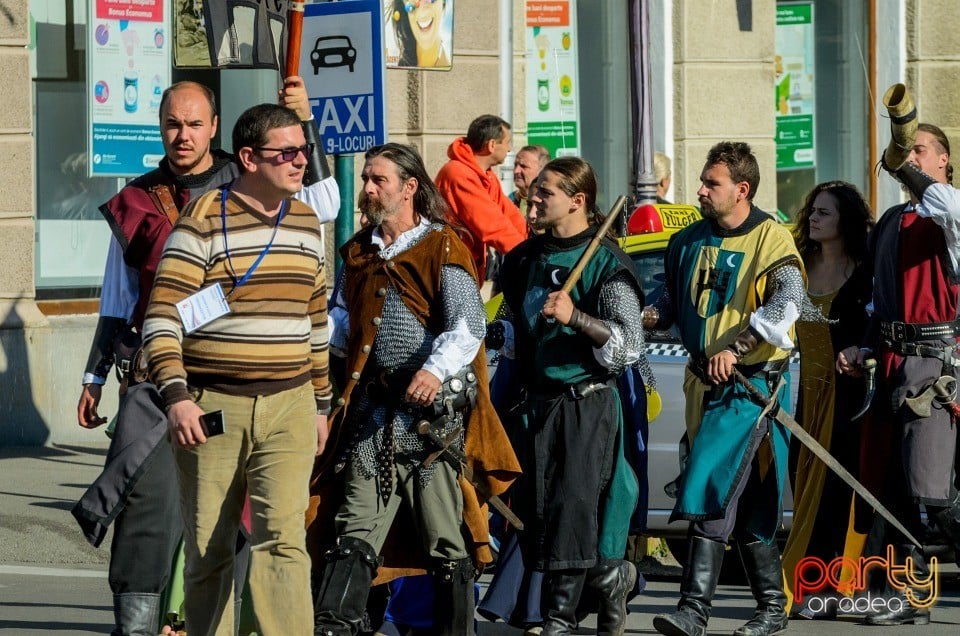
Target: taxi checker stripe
{"x": 676, "y": 350}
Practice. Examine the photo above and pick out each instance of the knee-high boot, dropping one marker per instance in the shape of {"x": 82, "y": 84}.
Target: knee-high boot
{"x": 454, "y": 601}
{"x": 341, "y": 594}
{"x": 906, "y": 613}
{"x": 559, "y": 599}
{"x": 765, "y": 573}
{"x": 136, "y": 614}
{"x": 948, "y": 519}
{"x": 700, "y": 576}
{"x": 612, "y": 584}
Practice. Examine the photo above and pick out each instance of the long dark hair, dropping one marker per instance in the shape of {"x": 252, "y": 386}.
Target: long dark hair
{"x": 577, "y": 175}
{"x": 406, "y": 43}
{"x": 856, "y": 220}
{"x": 427, "y": 202}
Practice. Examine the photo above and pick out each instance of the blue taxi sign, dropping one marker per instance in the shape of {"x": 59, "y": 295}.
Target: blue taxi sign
{"x": 342, "y": 63}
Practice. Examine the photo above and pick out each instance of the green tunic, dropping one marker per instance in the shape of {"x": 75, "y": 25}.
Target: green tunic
{"x": 578, "y": 492}
{"x": 716, "y": 280}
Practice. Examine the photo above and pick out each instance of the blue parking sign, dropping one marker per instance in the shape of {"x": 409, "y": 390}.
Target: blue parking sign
{"x": 342, "y": 63}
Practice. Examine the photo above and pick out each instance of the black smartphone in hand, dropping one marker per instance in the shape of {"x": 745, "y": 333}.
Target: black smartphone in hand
{"x": 212, "y": 423}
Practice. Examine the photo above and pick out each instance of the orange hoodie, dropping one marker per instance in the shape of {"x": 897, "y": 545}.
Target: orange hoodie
{"x": 478, "y": 204}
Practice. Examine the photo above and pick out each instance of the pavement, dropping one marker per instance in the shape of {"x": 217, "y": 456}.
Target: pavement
{"x": 53, "y": 582}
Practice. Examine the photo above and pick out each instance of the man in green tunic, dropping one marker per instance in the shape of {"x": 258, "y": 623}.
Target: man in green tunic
{"x": 734, "y": 288}
{"x": 577, "y": 491}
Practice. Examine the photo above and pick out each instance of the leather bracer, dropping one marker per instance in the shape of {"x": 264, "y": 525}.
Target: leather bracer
{"x": 745, "y": 342}
{"x": 915, "y": 179}
{"x": 317, "y": 169}
{"x": 594, "y": 329}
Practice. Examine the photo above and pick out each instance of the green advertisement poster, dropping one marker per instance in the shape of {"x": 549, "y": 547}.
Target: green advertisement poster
{"x": 794, "y": 86}
{"x": 553, "y": 85}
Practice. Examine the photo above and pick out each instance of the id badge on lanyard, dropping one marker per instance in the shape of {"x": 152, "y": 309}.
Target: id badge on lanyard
{"x": 202, "y": 308}
{"x": 210, "y": 303}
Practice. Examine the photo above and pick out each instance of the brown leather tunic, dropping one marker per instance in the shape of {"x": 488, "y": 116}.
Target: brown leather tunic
{"x": 415, "y": 275}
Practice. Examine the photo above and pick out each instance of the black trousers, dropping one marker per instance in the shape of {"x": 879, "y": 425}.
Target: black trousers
{"x": 148, "y": 529}
{"x": 748, "y": 495}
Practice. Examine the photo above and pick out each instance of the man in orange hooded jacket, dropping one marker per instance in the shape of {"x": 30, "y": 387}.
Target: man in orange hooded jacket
{"x": 472, "y": 189}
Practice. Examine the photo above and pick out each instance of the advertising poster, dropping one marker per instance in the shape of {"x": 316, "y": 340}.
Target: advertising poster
{"x": 418, "y": 34}
{"x": 553, "y": 103}
{"x": 794, "y": 85}
{"x": 341, "y": 61}
{"x": 229, "y": 33}
{"x": 128, "y": 66}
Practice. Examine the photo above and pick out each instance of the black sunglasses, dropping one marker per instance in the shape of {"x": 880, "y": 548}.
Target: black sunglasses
{"x": 289, "y": 154}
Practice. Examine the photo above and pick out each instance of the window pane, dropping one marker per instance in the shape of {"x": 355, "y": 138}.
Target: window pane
{"x": 71, "y": 235}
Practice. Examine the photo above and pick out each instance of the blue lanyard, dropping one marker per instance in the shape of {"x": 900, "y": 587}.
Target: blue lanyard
{"x": 223, "y": 221}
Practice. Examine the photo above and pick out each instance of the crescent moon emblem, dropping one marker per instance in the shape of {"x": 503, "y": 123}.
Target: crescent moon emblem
{"x": 730, "y": 262}
{"x": 554, "y": 277}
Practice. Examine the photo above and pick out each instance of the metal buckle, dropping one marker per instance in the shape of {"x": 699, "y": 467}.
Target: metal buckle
{"x": 899, "y": 331}
{"x": 580, "y": 391}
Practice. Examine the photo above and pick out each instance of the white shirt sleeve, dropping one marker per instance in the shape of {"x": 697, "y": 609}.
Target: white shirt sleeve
{"x": 121, "y": 285}
{"x": 323, "y": 197}
{"x": 450, "y": 349}
{"x": 941, "y": 202}
{"x": 465, "y": 324}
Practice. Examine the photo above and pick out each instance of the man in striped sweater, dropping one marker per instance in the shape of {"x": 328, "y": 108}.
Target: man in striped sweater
{"x": 235, "y": 333}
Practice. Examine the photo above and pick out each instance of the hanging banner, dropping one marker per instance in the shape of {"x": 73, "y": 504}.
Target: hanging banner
{"x": 553, "y": 86}
{"x": 128, "y": 68}
{"x": 418, "y": 34}
{"x": 794, "y": 84}
{"x": 229, "y": 33}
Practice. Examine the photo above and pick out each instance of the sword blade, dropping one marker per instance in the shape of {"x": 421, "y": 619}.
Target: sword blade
{"x": 823, "y": 455}
{"x": 453, "y": 454}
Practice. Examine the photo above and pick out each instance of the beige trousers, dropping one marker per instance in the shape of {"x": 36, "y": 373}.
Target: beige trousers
{"x": 267, "y": 448}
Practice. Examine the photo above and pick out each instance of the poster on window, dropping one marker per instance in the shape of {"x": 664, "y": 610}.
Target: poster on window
{"x": 229, "y": 33}
{"x": 794, "y": 84}
{"x": 553, "y": 84}
{"x": 128, "y": 68}
{"x": 418, "y": 34}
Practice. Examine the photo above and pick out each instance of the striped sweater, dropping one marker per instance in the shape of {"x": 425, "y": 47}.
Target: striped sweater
{"x": 275, "y": 336}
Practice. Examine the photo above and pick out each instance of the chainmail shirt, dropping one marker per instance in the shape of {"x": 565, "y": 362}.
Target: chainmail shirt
{"x": 403, "y": 344}
{"x": 620, "y": 310}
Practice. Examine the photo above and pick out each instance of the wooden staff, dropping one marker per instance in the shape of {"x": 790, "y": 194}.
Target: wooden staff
{"x": 294, "y": 35}
{"x": 574, "y": 276}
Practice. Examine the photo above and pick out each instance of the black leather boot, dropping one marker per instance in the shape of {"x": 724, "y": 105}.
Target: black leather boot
{"x": 699, "y": 582}
{"x": 136, "y": 614}
{"x": 905, "y": 613}
{"x": 559, "y": 599}
{"x": 612, "y": 584}
{"x": 454, "y": 601}
{"x": 765, "y": 573}
{"x": 948, "y": 520}
{"x": 341, "y": 595}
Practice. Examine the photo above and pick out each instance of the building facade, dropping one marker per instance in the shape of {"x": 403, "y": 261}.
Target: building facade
{"x": 715, "y": 65}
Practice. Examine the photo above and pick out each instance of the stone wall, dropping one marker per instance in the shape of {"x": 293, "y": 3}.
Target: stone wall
{"x": 723, "y": 76}
{"x": 933, "y": 64}
{"x": 20, "y": 420}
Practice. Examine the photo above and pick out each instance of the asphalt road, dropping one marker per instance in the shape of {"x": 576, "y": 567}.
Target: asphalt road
{"x": 52, "y": 582}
